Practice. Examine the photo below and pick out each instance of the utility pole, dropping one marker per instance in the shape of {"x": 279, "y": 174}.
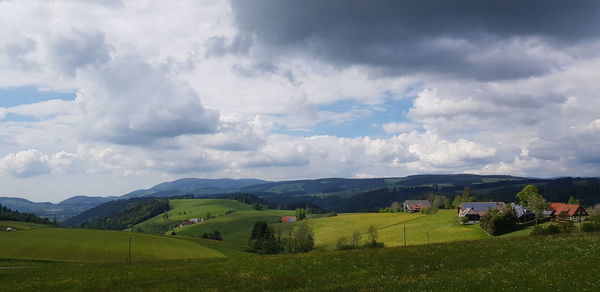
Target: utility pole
{"x": 129, "y": 255}
{"x": 404, "y": 235}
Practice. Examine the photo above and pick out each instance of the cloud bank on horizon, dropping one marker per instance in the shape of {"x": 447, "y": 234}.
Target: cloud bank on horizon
{"x": 102, "y": 97}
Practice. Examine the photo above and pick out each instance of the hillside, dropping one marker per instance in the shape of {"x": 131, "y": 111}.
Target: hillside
{"x": 525, "y": 264}
{"x": 85, "y": 245}
{"x": 420, "y": 228}
{"x": 118, "y": 214}
{"x": 185, "y": 209}
{"x": 233, "y": 219}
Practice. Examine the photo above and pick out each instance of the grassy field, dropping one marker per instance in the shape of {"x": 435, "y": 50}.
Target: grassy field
{"x": 20, "y": 225}
{"x": 236, "y": 227}
{"x": 556, "y": 263}
{"x": 85, "y": 245}
{"x": 185, "y": 209}
{"x": 420, "y": 228}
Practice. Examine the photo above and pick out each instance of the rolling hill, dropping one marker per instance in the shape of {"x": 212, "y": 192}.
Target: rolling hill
{"x": 85, "y": 245}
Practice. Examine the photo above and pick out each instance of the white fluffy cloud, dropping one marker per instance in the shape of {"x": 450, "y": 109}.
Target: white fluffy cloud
{"x": 164, "y": 92}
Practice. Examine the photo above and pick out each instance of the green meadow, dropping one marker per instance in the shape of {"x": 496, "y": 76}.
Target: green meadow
{"x": 547, "y": 263}
{"x": 420, "y": 228}
{"x": 86, "y": 245}
{"x": 235, "y": 227}
{"x": 20, "y": 225}
{"x": 185, "y": 209}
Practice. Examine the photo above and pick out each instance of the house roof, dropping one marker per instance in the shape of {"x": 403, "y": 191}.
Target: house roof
{"x": 417, "y": 203}
{"x": 569, "y": 209}
{"x": 482, "y": 206}
{"x": 287, "y": 218}
{"x": 520, "y": 210}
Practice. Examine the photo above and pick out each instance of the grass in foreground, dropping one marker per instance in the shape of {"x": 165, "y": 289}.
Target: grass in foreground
{"x": 527, "y": 263}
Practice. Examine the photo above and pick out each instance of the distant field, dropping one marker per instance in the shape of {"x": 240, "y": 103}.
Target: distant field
{"x": 185, "y": 209}
{"x": 439, "y": 227}
{"x": 85, "y": 245}
{"x": 554, "y": 263}
{"x": 19, "y": 225}
{"x": 236, "y": 227}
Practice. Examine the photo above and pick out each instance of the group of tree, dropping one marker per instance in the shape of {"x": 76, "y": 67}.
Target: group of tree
{"x": 8, "y": 214}
{"x": 496, "y": 222}
{"x": 215, "y": 235}
{"x": 288, "y": 239}
{"x": 259, "y": 203}
{"x": 301, "y": 214}
{"x": 355, "y": 240}
{"x": 530, "y": 198}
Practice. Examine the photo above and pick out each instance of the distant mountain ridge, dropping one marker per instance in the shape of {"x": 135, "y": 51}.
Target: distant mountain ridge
{"x": 339, "y": 194}
{"x": 63, "y": 210}
{"x": 194, "y": 186}
{"x": 76, "y": 205}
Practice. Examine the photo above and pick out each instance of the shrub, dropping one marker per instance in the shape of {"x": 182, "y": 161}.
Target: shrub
{"x": 496, "y": 222}
{"x": 429, "y": 210}
{"x": 550, "y": 229}
{"x": 566, "y": 226}
{"x": 590, "y": 226}
{"x": 331, "y": 214}
{"x": 342, "y": 244}
{"x": 374, "y": 244}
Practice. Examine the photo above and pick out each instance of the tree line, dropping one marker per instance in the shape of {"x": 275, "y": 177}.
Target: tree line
{"x": 8, "y": 214}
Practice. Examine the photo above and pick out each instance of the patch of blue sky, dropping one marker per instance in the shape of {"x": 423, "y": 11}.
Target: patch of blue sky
{"x": 393, "y": 110}
{"x": 14, "y": 96}
{"x": 12, "y": 117}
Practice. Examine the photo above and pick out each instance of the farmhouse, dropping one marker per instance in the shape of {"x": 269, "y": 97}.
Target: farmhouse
{"x": 288, "y": 219}
{"x": 523, "y": 215}
{"x": 10, "y": 229}
{"x": 475, "y": 210}
{"x": 566, "y": 212}
{"x": 415, "y": 205}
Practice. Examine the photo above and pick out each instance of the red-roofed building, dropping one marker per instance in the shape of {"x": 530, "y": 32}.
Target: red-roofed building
{"x": 288, "y": 219}
{"x": 415, "y": 205}
{"x": 570, "y": 212}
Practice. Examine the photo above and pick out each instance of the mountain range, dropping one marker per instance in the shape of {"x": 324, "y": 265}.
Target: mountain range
{"x": 339, "y": 194}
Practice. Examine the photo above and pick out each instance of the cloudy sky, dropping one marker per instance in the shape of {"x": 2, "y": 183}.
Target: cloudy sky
{"x": 104, "y": 97}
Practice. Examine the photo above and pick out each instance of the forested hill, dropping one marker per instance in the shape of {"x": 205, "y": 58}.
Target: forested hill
{"x": 587, "y": 190}
{"x": 8, "y": 214}
{"x": 119, "y": 214}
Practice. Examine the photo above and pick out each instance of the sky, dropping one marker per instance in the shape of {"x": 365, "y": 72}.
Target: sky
{"x": 104, "y": 97}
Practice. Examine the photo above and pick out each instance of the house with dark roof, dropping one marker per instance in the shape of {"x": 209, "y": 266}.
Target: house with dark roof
{"x": 566, "y": 212}
{"x": 415, "y": 205}
{"x": 523, "y": 215}
{"x": 475, "y": 210}
{"x": 288, "y": 219}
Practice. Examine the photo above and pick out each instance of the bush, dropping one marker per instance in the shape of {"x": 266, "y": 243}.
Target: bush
{"x": 590, "y": 226}
{"x": 550, "y": 229}
{"x": 374, "y": 244}
{"x": 331, "y": 214}
{"x": 430, "y": 210}
{"x": 497, "y": 222}
{"x": 342, "y": 244}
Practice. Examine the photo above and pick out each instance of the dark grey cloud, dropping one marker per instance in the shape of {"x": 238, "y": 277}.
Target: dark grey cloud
{"x": 464, "y": 37}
